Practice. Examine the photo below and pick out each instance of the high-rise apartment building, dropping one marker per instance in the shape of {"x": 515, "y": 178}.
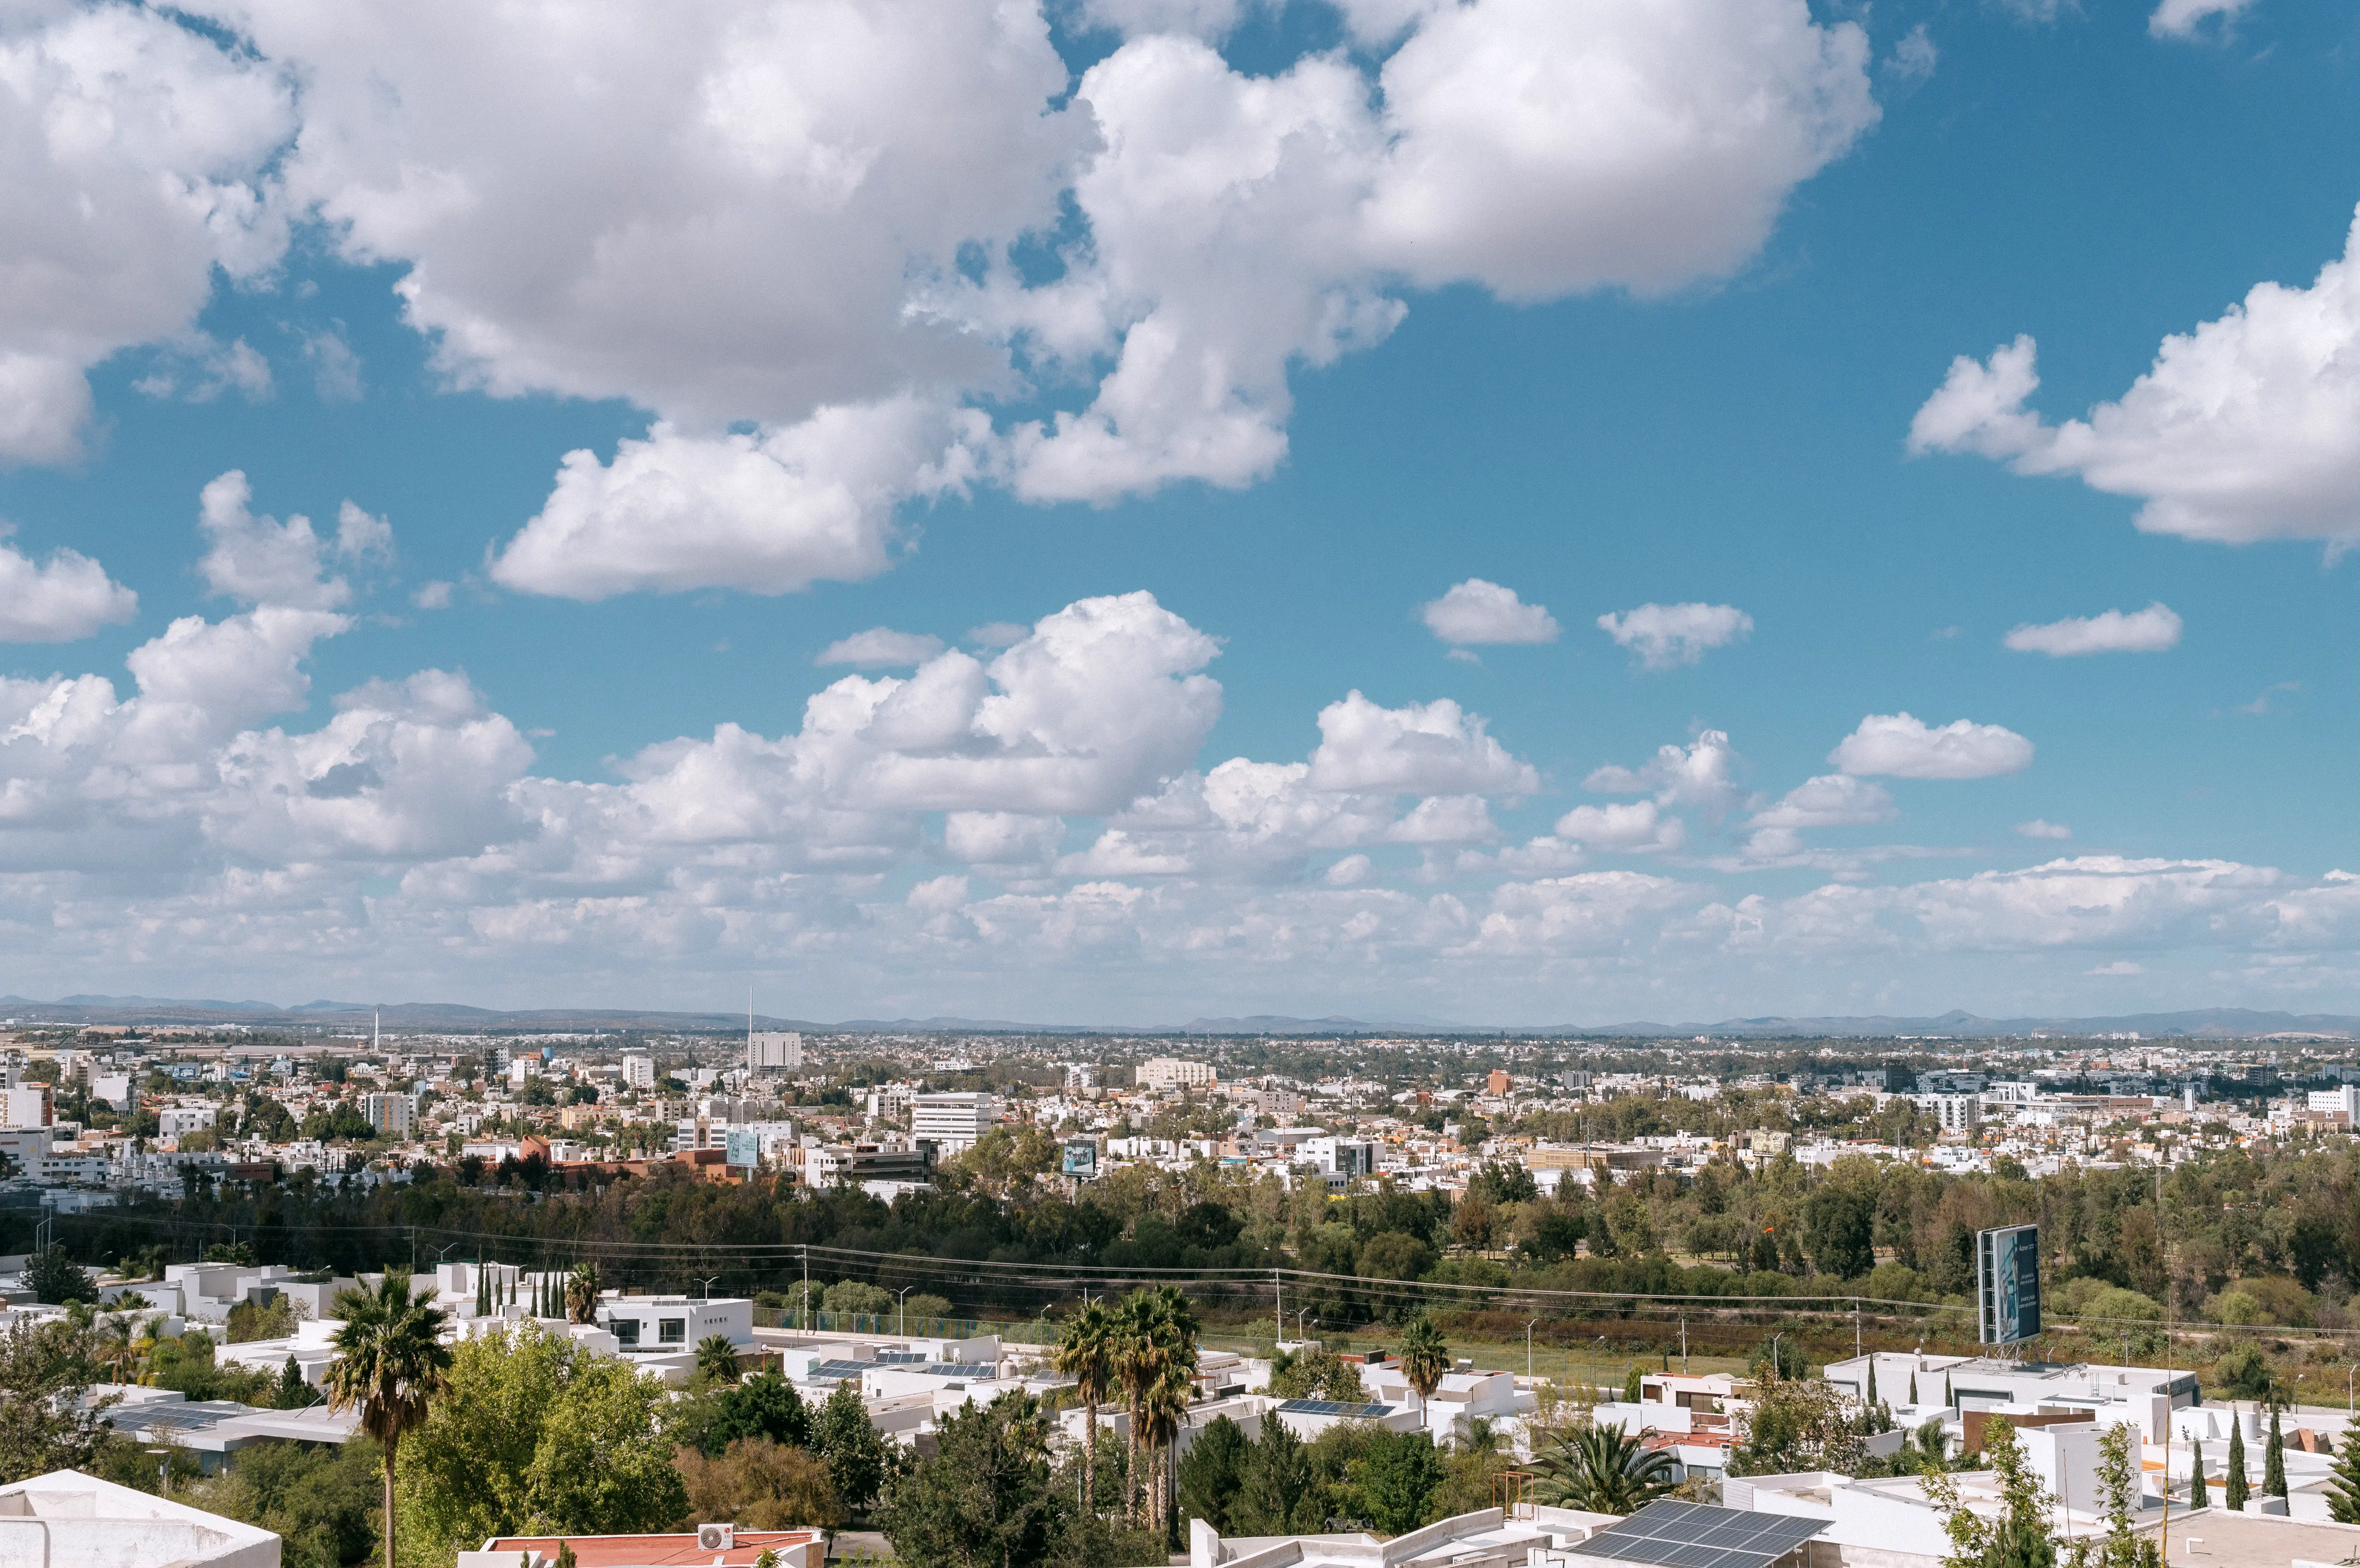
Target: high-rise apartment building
{"x": 773, "y": 1050}
{"x": 1170, "y": 1073}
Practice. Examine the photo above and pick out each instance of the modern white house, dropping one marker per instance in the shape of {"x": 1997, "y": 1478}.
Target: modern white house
{"x": 68, "y": 1520}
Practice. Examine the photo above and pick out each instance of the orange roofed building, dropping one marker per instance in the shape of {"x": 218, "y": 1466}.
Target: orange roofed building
{"x": 708, "y": 1546}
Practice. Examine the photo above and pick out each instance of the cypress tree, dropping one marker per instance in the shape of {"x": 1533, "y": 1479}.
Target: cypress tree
{"x": 1913, "y": 1387}
{"x": 1872, "y": 1380}
{"x": 2343, "y": 1482}
{"x": 2197, "y": 1496}
{"x": 1946, "y": 1390}
{"x": 2233, "y": 1493}
{"x": 2274, "y": 1459}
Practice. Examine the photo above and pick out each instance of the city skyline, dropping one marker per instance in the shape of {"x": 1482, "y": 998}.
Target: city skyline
{"x": 1503, "y": 513}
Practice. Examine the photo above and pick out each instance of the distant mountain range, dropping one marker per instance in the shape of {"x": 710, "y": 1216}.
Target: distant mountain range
{"x": 2203, "y": 1023}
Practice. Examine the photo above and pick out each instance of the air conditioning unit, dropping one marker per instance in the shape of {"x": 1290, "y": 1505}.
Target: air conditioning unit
{"x": 716, "y": 1538}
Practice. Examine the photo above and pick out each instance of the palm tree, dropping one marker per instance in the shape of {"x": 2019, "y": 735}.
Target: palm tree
{"x": 582, "y": 1293}
{"x": 1156, "y": 1345}
{"x": 1424, "y": 1356}
{"x": 717, "y": 1358}
{"x": 390, "y": 1362}
{"x": 1600, "y": 1469}
{"x": 1086, "y": 1354}
{"x": 1163, "y": 1410}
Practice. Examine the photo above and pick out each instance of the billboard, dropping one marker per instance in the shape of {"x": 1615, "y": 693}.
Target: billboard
{"x": 745, "y": 1148}
{"x": 1082, "y": 1159}
{"x": 2007, "y": 1284}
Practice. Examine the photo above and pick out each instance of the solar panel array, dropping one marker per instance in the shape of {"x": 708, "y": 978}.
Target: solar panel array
{"x": 900, "y": 1357}
{"x": 959, "y": 1369}
{"x": 1691, "y": 1535}
{"x": 834, "y": 1371}
{"x": 1333, "y": 1408}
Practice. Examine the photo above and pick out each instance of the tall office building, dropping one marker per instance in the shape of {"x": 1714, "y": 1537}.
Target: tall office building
{"x": 770, "y": 1051}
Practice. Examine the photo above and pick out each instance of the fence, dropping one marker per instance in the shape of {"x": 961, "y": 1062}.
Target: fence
{"x": 1022, "y": 1331}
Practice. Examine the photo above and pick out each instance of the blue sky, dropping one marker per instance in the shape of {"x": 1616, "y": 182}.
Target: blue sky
{"x": 933, "y": 319}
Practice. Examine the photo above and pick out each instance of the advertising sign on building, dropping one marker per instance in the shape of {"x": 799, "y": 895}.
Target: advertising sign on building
{"x": 1082, "y": 1159}
{"x": 745, "y": 1148}
{"x": 2007, "y": 1284}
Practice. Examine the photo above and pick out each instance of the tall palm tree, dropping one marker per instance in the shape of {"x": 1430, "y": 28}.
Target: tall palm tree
{"x": 1600, "y": 1469}
{"x": 1163, "y": 1410}
{"x": 717, "y": 1358}
{"x": 1156, "y": 1363}
{"x": 390, "y": 1362}
{"x": 582, "y": 1288}
{"x": 1086, "y": 1354}
{"x": 1424, "y": 1355}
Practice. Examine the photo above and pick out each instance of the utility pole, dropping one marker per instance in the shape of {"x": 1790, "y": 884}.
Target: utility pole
{"x": 1528, "y": 1350}
{"x": 1684, "y": 1348}
{"x": 1278, "y": 1296}
{"x": 1855, "y": 1328}
{"x": 802, "y": 1307}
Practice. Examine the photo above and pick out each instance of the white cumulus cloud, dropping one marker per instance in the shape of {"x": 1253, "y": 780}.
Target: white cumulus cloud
{"x": 262, "y": 560}
{"x": 1665, "y": 636}
{"x": 2041, "y": 828}
{"x": 2152, "y": 631}
{"x": 2246, "y": 429}
{"x": 132, "y": 155}
{"x": 881, "y": 647}
{"x": 63, "y": 598}
{"x": 1701, "y": 773}
{"x": 2184, "y": 18}
{"x": 1901, "y": 747}
{"x": 1476, "y": 611}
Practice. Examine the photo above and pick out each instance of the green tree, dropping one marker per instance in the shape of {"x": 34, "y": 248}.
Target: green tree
{"x": 2233, "y": 1490}
{"x": 1088, "y": 1352}
{"x": 1600, "y": 1469}
{"x": 856, "y": 1296}
{"x": 1424, "y": 1355}
{"x": 1211, "y": 1472}
{"x": 765, "y": 1405}
{"x": 582, "y": 1288}
{"x": 1635, "y": 1388}
{"x": 1796, "y": 1426}
{"x": 762, "y": 1485}
{"x": 535, "y": 1435}
{"x": 984, "y": 1500}
{"x": 1396, "y": 1479}
{"x": 2118, "y": 1496}
{"x": 2273, "y": 1481}
{"x": 1274, "y": 1486}
{"x": 2018, "y": 1537}
{"x": 47, "y": 1420}
{"x": 321, "y": 1501}
{"x": 716, "y": 1359}
{"x": 390, "y": 1363}
{"x": 859, "y": 1458}
{"x": 2343, "y": 1482}
{"x": 2197, "y": 1497}
{"x": 55, "y": 1279}
{"x": 292, "y": 1392}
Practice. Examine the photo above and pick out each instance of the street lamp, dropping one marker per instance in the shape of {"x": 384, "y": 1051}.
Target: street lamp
{"x": 1299, "y": 1311}
{"x": 708, "y": 1286}
{"x": 901, "y": 1312}
{"x": 1528, "y": 1350}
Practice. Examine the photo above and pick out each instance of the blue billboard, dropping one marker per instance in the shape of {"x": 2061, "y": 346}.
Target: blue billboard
{"x": 1082, "y": 1159}
{"x": 2007, "y": 1284}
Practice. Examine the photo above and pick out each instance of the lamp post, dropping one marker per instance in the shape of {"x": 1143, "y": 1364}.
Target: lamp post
{"x": 1528, "y": 1350}
{"x": 901, "y": 1312}
{"x": 708, "y": 1286}
{"x": 1299, "y": 1311}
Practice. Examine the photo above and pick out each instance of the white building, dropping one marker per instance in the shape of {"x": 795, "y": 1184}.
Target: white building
{"x": 24, "y": 1106}
{"x": 391, "y": 1115}
{"x": 2346, "y": 1100}
{"x": 645, "y": 1325}
{"x": 771, "y": 1051}
{"x": 172, "y": 1121}
{"x": 952, "y": 1122}
{"x": 638, "y": 1070}
{"x": 1955, "y": 1113}
{"x": 1170, "y": 1073}
{"x": 68, "y": 1520}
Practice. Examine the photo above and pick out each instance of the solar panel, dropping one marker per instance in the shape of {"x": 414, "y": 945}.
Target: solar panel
{"x": 958, "y": 1369}
{"x": 1333, "y": 1408}
{"x": 1691, "y": 1535}
{"x": 838, "y": 1370}
{"x": 899, "y": 1357}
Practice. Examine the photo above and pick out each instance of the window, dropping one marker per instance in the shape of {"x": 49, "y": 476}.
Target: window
{"x": 672, "y": 1331}
{"x": 627, "y": 1330}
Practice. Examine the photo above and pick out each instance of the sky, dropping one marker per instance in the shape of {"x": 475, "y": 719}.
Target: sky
{"x": 1480, "y": 511}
